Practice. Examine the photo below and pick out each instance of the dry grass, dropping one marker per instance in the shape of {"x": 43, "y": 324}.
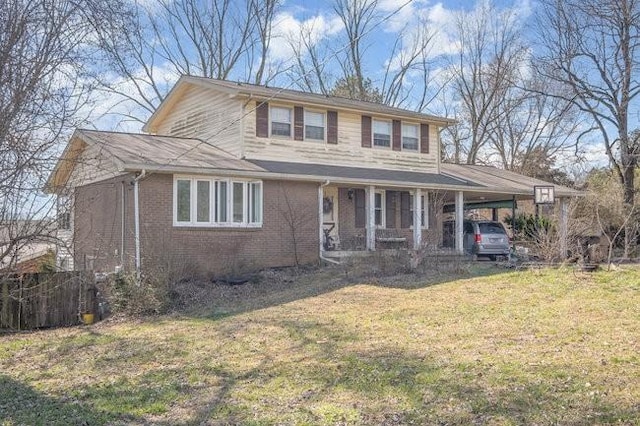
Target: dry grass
{"x": 531, "y": 347}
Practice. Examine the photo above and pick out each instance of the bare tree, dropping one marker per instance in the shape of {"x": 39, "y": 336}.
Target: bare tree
{"x": 220, "y": 39}
{"x": 591, "y": 50}
{"x": 483, "y": 74}
{"x": 532, "y": 128}
{"x": 42, "y": 50}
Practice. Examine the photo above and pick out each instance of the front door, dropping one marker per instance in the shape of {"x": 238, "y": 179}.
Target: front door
{"x": 330, "y": 216}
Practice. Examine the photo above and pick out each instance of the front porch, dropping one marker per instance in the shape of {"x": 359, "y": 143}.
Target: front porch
{"x": 364, "y": 219}
{"x": 356, "y": 219}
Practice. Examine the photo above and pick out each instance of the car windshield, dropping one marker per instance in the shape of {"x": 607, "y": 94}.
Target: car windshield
{"x": 491, "y": 228}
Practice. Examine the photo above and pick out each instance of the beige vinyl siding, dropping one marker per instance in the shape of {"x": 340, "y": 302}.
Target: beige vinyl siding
{"x": 347, "y": 152}
{"x": 92, "y": 165}
{"x": 208, "y": 115}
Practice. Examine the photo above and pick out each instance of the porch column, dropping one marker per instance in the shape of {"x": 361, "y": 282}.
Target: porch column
{"x": 320, "y": 219}
{"x": 371, "y": 218}
{"x": 417, "y": 222}
{"x": 459, "y": 222}
{"x": 564, "y": 227}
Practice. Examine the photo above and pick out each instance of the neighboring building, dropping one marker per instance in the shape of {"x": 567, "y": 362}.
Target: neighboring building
{"x": 28, "y": 246}
{"x": 235, "y": 176}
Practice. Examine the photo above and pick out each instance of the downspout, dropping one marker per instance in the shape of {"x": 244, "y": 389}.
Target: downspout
{"x": 136, "y": 217}
{"x": 122, "y": 223}
{"x": 320, "y": 230}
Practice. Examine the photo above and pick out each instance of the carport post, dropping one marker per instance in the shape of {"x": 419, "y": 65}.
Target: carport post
{"x": 459, "y": 222}
{"x": 564, "y": 227}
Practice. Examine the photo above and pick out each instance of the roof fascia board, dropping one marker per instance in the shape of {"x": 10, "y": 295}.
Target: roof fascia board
{"x": 283, "y": 97}
{"x": 135, "y": 167}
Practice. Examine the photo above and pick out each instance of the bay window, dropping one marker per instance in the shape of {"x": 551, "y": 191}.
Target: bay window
{"x": 217, "y": 202}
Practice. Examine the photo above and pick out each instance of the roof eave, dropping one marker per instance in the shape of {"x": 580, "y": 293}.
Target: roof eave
{"x": 263, "y": 174}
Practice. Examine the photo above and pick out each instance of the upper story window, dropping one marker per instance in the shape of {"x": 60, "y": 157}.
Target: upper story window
{"x": 382, "y": 133}
{"x": 280, "y": 121}
{"x": 410, "y": 137}
{"x": 217, "y": 202}
{"x": 314, "y": 125}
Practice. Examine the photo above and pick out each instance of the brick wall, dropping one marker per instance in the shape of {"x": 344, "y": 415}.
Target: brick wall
{"x": 230, "y": 250}
{"x": 97, "y": 239}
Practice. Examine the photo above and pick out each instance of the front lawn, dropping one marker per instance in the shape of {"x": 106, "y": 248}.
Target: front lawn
{"x": 530, "y": 347}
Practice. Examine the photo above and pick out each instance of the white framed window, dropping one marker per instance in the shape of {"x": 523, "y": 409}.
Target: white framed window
{"x": 382, "y": 133}
{"x": 64, "y": 212}
{"x": 379, "y": 209}
{"x": 314, "y": 125}
{"x": 216, "y": 202}
{"x": 281, "y": 121}
{"x": 410, "y": 137}
{"x": 424, "y": 210}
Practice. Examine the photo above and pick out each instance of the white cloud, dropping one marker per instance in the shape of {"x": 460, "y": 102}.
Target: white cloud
{"x": 109, "y": 110}
{"x": 288, "y": 31}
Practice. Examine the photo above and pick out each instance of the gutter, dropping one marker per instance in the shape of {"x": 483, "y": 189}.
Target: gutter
{"x": 136, "y": 216}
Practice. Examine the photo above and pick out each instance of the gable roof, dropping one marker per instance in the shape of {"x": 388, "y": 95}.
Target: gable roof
{"x": 264, "y": 93}
{"x": 135, "y": 151}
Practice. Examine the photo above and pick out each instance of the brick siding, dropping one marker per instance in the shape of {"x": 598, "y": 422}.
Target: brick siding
{"x": 215, "y": 250}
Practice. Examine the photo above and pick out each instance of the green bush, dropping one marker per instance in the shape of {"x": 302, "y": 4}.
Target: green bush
{"x": 528, "y": 226}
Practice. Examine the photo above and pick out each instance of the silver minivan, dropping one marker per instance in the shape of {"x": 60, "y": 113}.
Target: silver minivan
{"x": 480, "y": 238}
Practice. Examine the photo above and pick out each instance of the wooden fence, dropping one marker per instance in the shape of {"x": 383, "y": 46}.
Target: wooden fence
{"x": 42, "y": 300}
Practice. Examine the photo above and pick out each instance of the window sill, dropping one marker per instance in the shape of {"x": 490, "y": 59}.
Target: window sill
{"x": 231, "y": 226}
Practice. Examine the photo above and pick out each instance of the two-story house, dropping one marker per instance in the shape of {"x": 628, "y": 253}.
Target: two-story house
{"x": 232, "y": 176}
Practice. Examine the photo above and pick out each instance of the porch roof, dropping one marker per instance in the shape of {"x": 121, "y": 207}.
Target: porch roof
{"x": 504, "y": 181}
{"x": 362, "y": 175}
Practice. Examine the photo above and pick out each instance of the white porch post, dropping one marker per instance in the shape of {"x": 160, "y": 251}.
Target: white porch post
{"x": 564, "y": 227}
{"x": 459, "y": 222}
{"x": 371, "y": 217}
{"x": 417, "y": 222}
{"x": 320, "y": 219}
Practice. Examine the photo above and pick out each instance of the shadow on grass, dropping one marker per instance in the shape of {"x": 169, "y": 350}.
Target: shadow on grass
{"x": 23, "y": 405}
{"x": 291, "y": 284}
{"x": 393, "y": 388}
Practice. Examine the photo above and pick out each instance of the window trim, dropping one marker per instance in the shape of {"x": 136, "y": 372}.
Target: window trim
{"x": 324, "y": 127}
{"x": 373, "y": 133}
{"x": 291, "y": 122}
{"x": 214, "y": 206}
{"x": 417, "y": 126}
{"x": 425, "y": 211}
{"x": 383, "y": 209}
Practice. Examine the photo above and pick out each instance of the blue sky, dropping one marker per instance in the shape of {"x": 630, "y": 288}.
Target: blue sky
{"x": 406, "y": 15}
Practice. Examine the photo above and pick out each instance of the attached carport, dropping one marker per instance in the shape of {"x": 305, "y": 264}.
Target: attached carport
{"x": 502, "y": 188}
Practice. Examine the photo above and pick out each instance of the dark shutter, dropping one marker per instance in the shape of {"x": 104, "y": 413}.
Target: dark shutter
{"x": 298, "y": 123}
{"x": 405, "y": 209}
{"x": 262, "y": 119}
{"x": 397, "y": 135}
{"x": 366, "y": 131}
{"x": 424, "y": 138}
{"x": 361, "y": 209}
{"x": 390, "y": 209}
{"x": 332, "y": 126}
